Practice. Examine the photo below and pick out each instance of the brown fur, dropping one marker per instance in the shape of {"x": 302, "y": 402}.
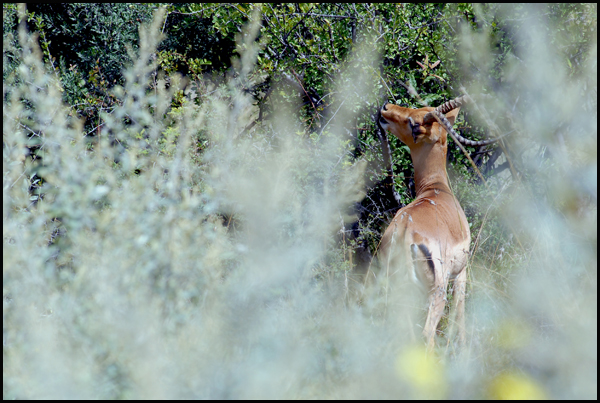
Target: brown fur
{"x": 431, "y": 234}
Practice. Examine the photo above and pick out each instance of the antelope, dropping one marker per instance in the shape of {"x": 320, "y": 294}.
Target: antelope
{"x": 430, "y": 235}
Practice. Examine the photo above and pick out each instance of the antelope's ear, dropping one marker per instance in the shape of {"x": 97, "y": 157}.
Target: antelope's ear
{"x": 451, "y": 116}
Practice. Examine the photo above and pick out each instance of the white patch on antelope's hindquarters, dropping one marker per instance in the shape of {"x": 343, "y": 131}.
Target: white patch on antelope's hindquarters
{"x": 414, "y": 250}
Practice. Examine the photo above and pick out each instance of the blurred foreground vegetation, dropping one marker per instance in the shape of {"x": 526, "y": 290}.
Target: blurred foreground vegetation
{"x": 186, "y": 190}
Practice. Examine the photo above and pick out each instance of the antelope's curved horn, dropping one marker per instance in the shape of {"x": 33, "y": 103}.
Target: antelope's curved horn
{"x": 439, "y": 115}
{"x": 446, "y": 107}
{"x": 452, "y": 104}
{"x": 467, "y": 142}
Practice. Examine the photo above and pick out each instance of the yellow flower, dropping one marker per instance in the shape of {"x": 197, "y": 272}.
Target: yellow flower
{"x": 513, "y": 386}
{"x": 423, "y": 372}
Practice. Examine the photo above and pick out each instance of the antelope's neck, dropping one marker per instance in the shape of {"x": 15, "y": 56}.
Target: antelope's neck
{"x": 430, "y": 167}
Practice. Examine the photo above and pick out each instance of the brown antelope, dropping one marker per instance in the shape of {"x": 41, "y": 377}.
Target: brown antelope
{"x": 431, "y": 234}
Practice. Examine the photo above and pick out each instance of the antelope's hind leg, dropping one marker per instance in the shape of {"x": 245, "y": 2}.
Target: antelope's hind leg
{"x": 458, "y": 296}
{"x": 437, "y": 303}
{"x": 427, "y": 269}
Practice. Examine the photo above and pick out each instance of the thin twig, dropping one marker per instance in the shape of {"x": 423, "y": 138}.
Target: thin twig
{"x": 309, "y": 14}
{"x": 309, "y": 97}
{"x": 465, "y": 152}
{"x": 338, "y": 109}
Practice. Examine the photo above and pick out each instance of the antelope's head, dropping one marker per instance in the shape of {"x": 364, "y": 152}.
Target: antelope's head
{"x": 415, "y": 126}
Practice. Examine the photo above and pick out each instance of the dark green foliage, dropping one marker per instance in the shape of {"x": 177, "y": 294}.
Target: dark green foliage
{"x": 303, "y": 49}
{"x": 9, "y": 29}
{"x": 91, "y": 34}
{"x": 195, "y": 37}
